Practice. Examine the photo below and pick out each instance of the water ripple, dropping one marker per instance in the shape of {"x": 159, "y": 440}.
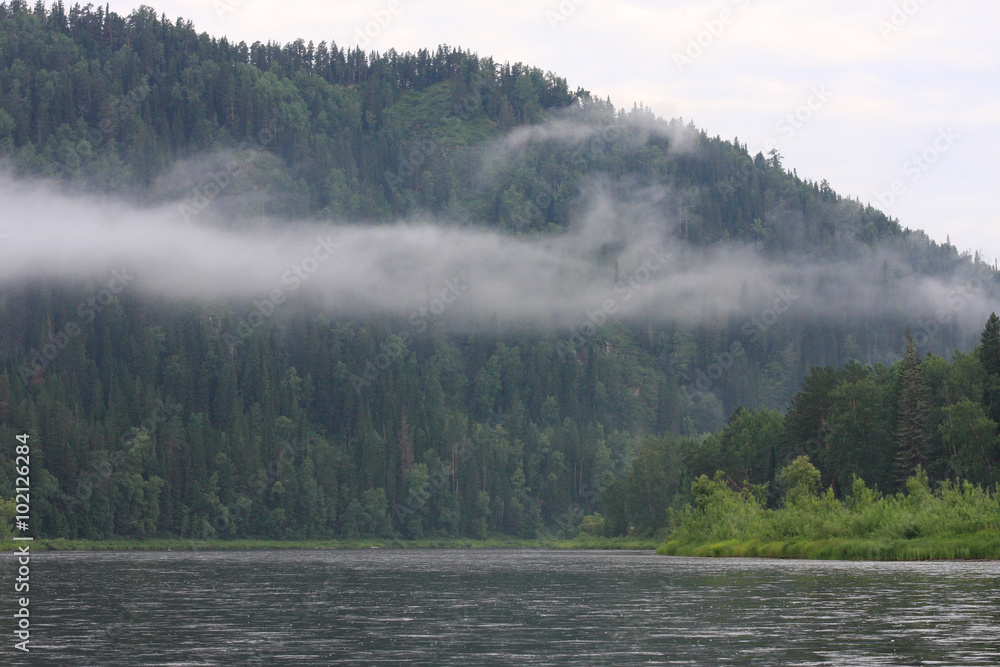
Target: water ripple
{"x": 505, "y": 607}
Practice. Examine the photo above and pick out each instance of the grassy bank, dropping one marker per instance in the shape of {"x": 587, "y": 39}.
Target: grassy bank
{"x": 954, "y": 521}
{"x": 248, "y": 545}
{"x": 971, "y": 547}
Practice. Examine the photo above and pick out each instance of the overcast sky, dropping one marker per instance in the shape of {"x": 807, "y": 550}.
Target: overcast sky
{"x": 872, "y": 95}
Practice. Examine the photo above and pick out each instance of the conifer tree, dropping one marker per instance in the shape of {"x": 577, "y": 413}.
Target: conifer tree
{"x": 989, "y": 351}
{"x": 989, "y": 357}
{"x": 912, "y": 414}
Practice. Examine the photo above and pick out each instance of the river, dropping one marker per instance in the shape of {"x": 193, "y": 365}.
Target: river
{"x": 520, "y": 607}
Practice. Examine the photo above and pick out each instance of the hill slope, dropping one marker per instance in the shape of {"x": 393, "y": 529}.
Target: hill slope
{"x": 175, "y": 417}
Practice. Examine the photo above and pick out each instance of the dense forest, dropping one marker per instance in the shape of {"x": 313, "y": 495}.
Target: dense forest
{"x": 159, "y": 417}
{"x": 877, "y": 424}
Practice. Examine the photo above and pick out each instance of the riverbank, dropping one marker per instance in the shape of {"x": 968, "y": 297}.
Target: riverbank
{"x": 955, "y": 521}
{"x": 970, "y": 547}
{"x": 176, "y": 544}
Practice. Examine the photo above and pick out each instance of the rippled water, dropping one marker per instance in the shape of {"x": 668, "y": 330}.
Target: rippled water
{"x": 463, "y": 607}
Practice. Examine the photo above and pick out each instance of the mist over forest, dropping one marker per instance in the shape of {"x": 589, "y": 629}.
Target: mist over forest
{"x": 306, "y": 291}
{"x": 618, "y": 256}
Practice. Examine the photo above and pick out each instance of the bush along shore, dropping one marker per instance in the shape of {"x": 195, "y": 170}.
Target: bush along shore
{"x": 957, "y": 520}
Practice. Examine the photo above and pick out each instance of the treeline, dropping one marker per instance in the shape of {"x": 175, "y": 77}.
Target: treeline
{"x": 151, "y": 109}
{"x": 155, "y": 424}
{"x": 109, "y": 102}
{"x": 881, "y": 425}
{"x": 117, "y": 103}
{"x": 152, "y": 422}
{"x": 161, "y": 419}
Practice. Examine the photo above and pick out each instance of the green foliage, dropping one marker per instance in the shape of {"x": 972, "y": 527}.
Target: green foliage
{"x": 638, "y": 502}
{"x": 989, "y": 351}
{"x": 970, "y": 438}
{"x": 108, "y": 102}
{"x": 153, "y": 422}
{"x": 953, "y": 520}
{"x": 801, "y": 478}
{"x": 374, "y": 513}
{"x": 858, "y": 433}
{"x": 989, "y": 355}
{"x": 720, "y": 510}
{"x": 593, "y": 525}
{"x": 912, "y": 414}
{"x": 746, "y": 449}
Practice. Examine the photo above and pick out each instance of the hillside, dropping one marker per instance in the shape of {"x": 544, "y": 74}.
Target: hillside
{"x": 162, "y": 416}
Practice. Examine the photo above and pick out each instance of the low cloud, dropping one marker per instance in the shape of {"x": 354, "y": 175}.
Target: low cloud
{"x": 620, "y": 258}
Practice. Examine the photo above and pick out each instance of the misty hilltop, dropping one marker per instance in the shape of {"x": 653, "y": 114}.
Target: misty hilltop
{"x": 540, "y": 195}
{"x": 214, "y": 249}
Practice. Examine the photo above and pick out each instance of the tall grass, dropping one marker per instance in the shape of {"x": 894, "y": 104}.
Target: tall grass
{"x": 954, "y": 521}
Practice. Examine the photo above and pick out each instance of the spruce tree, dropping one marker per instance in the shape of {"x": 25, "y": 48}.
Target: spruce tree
{"x": 989, "y": 350}
{"x": 912, "y": 414}
{"x": 989, "y": 357}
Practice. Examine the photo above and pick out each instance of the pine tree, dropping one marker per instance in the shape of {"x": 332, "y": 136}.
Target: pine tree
{"x": 989, "y": 357}
{"x": 989, "y": 351}
{"x": 912, "y": 414}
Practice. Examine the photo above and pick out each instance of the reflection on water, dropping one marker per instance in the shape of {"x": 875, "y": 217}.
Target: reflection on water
{"x": 464, "y": 607}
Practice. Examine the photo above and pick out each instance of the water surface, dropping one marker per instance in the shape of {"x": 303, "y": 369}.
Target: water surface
{"x": 521, "y": 607}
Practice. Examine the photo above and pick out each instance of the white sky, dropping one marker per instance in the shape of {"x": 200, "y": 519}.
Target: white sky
{"x": 898, "y": 75}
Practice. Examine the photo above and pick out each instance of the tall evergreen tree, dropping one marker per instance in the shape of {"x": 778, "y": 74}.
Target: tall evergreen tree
{"x": 989, "y": 357}
{"x": 989, "y": 350}
{"x": 912, "y": 414}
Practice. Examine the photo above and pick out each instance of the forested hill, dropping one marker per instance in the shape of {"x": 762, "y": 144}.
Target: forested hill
{"x": 176, "y": 418}
{"x": 112, "y": 102}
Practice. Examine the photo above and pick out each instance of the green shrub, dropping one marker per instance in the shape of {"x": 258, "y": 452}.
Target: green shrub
{"x": 957, "y": 520}
{"x": 593, "y": 525}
